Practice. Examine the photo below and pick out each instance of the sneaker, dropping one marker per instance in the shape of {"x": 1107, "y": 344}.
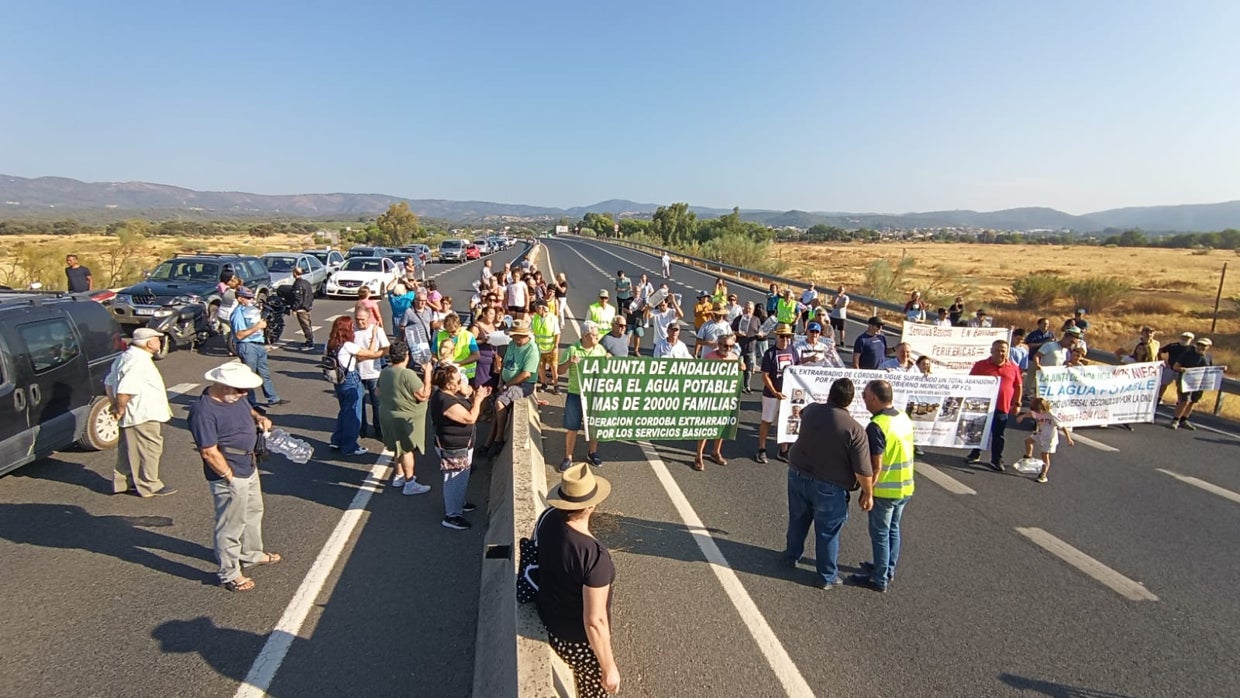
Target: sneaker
{"x": 867, "y": 568}
{"x": 761, "y": 456}
{"x": 277, "y": 403}
{"x": 974, "y": 457}
{"x": 359, "y": 451}
{"x": 456, "y": 523}
{"x": 398, "y": 481}
{"x": 334, "y": 447}
{"x": 917, "y": 451}
{"x": 469, "y": 506}
{"x": 1188, "y": 425}
{"x": 1174, "y": 424}
{"x": 594, "y": 459}
{"x": 1041, "y": 478}
{"x": 566, "y": 464}
{"x": 782, "y": 455}
{"x": 414, "y": 487}
{"x": 996, "y": 466}
{"x": 824, "y": 585}
{"x": 164, "y": 491}
{"x": 863, "y": 580}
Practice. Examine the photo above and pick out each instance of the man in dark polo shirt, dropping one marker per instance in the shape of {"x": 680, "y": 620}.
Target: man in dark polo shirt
{"x": 78, "y": 276}
{"x": 829, "y": 458}
{"x": 870, "y": 348}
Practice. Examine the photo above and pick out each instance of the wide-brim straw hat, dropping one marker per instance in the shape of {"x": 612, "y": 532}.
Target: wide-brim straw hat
{"x": 234, "y": 374}
{"x": 579, "y": 488}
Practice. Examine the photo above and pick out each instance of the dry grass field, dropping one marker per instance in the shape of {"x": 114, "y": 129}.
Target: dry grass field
{"x": 1173, "y": 292}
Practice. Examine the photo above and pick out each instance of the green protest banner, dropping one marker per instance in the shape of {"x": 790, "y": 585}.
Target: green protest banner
{"x": 642, "y": 399}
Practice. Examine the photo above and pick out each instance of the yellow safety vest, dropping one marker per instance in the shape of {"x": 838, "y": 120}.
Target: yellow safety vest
{"x": 896, "y": 479}
{"x": 544, "y": 338}
{"x": 786, "y": 311}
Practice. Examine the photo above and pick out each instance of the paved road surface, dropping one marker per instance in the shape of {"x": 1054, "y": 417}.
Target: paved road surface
{"x": 116, "y": 596}
{"x": 985, "y": 604}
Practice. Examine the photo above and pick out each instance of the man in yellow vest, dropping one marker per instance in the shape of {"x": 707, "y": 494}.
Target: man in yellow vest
{"x": 787, "y": 310}
{"x": 890, "y": 434}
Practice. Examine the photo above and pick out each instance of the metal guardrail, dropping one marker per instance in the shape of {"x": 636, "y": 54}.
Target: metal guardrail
{"x": 1230, "y": 385}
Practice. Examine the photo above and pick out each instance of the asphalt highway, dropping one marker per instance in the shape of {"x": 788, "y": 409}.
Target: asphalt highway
{"x": 1116, "y": 578}
{"x": 116, "y": 596}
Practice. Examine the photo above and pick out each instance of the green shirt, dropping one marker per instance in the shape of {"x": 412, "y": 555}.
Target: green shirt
{"x": 574, "y": 372}
{"x": 518, "y": 358}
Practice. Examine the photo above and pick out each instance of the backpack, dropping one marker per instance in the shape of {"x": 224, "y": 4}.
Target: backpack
{"x": 333, "y": 371}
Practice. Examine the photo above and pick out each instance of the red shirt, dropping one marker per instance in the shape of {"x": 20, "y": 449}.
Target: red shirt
{"x": 1010, "y": 381}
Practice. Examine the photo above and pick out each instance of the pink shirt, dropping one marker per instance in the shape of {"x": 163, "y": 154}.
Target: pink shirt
{"x": 371, "y": 305}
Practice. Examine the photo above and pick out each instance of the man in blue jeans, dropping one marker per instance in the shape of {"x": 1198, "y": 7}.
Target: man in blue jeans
{"x": 248, "y": 326}
{"x": 890, "y": 434}
{"x": 829, "y": 458}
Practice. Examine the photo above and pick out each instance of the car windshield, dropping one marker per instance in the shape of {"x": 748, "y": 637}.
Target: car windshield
{"x": 450, "y": 245}
{"x": 186, "y": 270}
{"x": 364, "y": 264}
{"x": 319, "y": 255}
{"x": 278, "y": 264}
{"x": 361, "y": 252}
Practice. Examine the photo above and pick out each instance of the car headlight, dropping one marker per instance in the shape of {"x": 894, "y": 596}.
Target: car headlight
{"x": 164, "y": 312}
{"x": 123, "y": 298}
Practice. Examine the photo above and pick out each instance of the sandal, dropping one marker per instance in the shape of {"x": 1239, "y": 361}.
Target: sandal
{"x": 718, "y": 458}
{"x": 698, "y": 464}
{"x": 239, "y": 584}
{"x": 271, "y": 559}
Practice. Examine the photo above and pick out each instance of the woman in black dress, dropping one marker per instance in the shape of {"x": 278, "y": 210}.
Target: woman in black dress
{"x": 576, "y": 574}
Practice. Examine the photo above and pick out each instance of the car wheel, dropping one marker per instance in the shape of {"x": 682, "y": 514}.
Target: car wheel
{"x": 213, "y": 318}
{"x": 102, "y": 431}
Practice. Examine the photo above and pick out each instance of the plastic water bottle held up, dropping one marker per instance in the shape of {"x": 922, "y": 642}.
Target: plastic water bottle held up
{"x": 292, "y": 448}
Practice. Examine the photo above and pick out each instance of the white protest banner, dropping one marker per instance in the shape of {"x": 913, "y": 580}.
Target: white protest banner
{"x": 1202, "y": 378}
{"x": 952, "y": 349}
{"x": 947, "y": 410}
{"x": 1095, "y": 394}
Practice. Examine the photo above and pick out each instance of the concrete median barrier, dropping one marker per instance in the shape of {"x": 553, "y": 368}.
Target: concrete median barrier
{"x": 511, "y": 654}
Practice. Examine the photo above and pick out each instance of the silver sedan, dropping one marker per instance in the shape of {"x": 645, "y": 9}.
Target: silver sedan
{"x": 281, "y": 264}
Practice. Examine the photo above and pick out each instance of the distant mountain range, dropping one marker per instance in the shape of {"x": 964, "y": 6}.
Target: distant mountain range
{"x": 44, "y": 196}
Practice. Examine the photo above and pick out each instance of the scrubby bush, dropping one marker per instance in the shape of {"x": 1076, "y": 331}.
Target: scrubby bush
{"x": 1037, "y": 291}
{"x": 1153, "y": 305}
{"x": 741, "y": 251}
{"x": 1098, "y": 293}
{"x": 884, "y": 280}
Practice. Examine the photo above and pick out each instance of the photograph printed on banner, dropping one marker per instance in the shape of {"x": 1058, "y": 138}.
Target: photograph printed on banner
{"x": 923, "y": 408}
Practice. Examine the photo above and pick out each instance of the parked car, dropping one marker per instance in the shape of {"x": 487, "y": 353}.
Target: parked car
{"x": 452, "y": 250}
{"x": 422, "y": 251}
{"x": 376, "y": 273}
{"x": 483, "y": 246}
{"x": 472, "y": 252}
{"x": 55, "y": 351}
{"x": 363, "y": 251}
{"x": 182, "y": 294}
{"x": 496, "y": 243}
{"x": 281, "y": 264}
{"x": 331, "y": 259}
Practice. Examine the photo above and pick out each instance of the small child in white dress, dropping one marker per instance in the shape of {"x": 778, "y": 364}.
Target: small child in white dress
{"x": 1045, "y": 435}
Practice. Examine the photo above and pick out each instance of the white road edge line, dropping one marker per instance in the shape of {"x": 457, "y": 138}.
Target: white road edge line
{"x": 942, "y": 479}
{"x": 1076, "y": 436}
{"x": 1125, "y": 587}
{"x": 267, "y": 663}
{"x": 568, "y": 312}
{"x": 785, "y": 669}
{"x": 1207, "y": 486}
{"x": 1169, "y": 412}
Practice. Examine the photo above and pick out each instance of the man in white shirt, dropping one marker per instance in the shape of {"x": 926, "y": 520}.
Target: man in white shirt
{"x": 710, "y": 332}
{"x": 808, "y": 296}
{"x": 667, "y": 266}
{"x": 816, "y": 351}
{"x": 664, "y": 315}
{"x": 368, "y": 370}
{"x": 140, "y": 406}
{"x": 902, "y": 362}
{"x": 517, "y": 297}
{"x": 671, "y": 347}
{"x": 943, "y": 319}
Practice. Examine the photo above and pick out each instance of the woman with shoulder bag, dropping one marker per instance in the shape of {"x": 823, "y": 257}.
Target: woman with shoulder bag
{"x": 403, "y": 396}
{"x": 575, "y": 578}
{"x": 349, "y": 391}
{"x": 489, "y": 358}
{"x": 454, "y": 411}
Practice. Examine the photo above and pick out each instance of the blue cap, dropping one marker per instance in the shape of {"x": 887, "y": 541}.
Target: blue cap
{"x": 244, "y": 292}
{"x": 813, "y": 327}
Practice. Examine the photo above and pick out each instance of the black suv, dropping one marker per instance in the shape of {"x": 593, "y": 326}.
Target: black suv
{"x": 55, "y": 351}
{"x": 190, "y": 278}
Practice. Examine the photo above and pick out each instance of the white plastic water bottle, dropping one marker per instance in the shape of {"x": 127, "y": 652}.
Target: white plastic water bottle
{"x": 292, "y": 448}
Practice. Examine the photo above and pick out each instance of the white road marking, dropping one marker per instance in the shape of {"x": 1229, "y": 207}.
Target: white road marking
{"x": 182, "y": 388}
{"x": 942, "y": 479}
{"x": 1125, "y": 587}
{"x": 568, "y": 312}
{"x": 1168, "y": 412}
{"x": 776, "y": 656}
{"x": 1076, "y": 436}
{"x": 265, "y": 666}
{"x": 1207, "y": 486}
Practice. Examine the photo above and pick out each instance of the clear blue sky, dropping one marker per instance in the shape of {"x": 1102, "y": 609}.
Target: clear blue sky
{"x": 826, "y": 106}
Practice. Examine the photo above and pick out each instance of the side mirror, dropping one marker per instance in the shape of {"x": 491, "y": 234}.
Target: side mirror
{"x": 146, "y": 273}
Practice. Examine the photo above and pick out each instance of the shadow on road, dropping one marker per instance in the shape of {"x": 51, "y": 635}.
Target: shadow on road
{"x": 225, "y": 650}
{"x": 1056, "y": 690}
{"x": 67, "y": 472}
{"x": 628, "y": 534}
{"x": 122, "y": 537}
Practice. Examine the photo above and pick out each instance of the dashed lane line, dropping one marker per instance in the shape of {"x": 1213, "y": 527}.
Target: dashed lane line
{"x": 1202, "y": 484}
{"x": 269, "y": 659}
{"x": 1076, "y": 436}
{"x": 776, "y": 656}
{"x": 942, "y": 479}
{"x": 182, "y": 388}
{"x": 1125, "y": 587}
